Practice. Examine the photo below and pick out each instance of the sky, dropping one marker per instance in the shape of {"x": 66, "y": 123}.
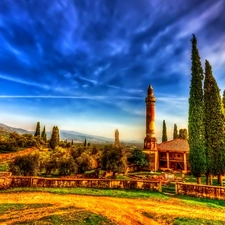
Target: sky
{"x": 85, "y": 65}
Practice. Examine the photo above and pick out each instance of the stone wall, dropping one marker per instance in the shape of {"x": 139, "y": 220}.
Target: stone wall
{"x": 5, "y": 182}
{"x": 201, "y": 191}
{"x": 5, "y": 174}
{"x": 18, "y": 181}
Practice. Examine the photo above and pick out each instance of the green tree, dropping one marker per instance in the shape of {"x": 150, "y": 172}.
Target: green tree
{"x": 29, "y": 140}
{"x": 164, "y": 132}
{"x": 44, "y": 135}
{"x": 175, "y": 132}
{"x": 113, "y": 159}
{"x": 139, "y": 158}
{"x": 196, "y": 129}
{"x": 38, "y": 130}
{"x": 54, "y": 141}
{"x": 25, "y": 165}
{"x": 85, "y": 142}
{"x": 76, "y": 152}
{"x": 84, "y": 162}
{"x": 183, "y": 134}
{"x": 67, "y": 166}
{"x": 214, "y": 125}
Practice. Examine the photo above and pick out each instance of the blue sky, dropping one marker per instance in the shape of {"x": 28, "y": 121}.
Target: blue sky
{"x": 85, "y": 65}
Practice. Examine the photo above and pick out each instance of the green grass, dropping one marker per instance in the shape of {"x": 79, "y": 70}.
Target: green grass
{"x": 93, "y": 192}
{"x": 197, "y": 221}
{"x": 122, "y": 177}
{"x": 74, "y": 217}
{"x": 18, "y": 207}
{"x": 166, "y": 219}
{"x": 68, "y": 216}
{"x": 212, "y": 203}
{"x": 170, "y": 188}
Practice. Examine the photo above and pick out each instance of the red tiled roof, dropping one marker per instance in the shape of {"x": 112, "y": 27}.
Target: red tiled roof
{"x": 176, "y": 145}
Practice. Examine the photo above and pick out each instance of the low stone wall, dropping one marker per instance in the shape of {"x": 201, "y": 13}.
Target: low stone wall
{"x": 201, "y": 191}
{"x": 5, "y": 174}
{"x": 16, "y": 181}
{"x": 5, "y": 182}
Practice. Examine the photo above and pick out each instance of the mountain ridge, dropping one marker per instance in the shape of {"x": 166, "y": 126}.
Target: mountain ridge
{"x": 67, "y": 134}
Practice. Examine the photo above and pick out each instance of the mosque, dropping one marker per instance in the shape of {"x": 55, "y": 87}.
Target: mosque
{"x": 167, "y": 155}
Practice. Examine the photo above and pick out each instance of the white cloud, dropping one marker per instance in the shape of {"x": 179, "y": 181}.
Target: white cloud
{"x": 192, "y": 24}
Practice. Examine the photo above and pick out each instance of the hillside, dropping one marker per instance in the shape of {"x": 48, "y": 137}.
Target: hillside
{"x": 5, "y": 128}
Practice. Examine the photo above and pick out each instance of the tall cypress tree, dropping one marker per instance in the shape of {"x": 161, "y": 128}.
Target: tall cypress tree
{"x": 175, "y": 132}
{"x": 57, "y": 135}
{"x": 196, "y": 129}
{"x": 44, "y": 135}
{"x": 54, "y": 141}
{"x": 214, "y": 125}
{"x": 38, "y": 130}
{"x": 164, "y": 132}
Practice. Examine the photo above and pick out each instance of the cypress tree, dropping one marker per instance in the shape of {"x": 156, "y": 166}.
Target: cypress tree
{"x": 164, "y": 132}
{"x": 38, "y": 130}
{"x": 57, "y": 135}
{"x": 197, "y": 155}
{"x": 214, "y": 125}
{"x": 44, "y": 135}
{"x": 54, "y": 141}
{"x": 85, "y": 142}
{"x": 175, "y": 132}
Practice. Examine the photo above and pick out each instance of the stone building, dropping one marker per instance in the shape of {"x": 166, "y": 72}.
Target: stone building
{"x": 167, "y": 155}
{"x": 174, "y": 154}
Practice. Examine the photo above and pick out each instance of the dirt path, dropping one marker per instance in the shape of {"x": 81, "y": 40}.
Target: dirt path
{"x": 9, "y": 156}
{"x": 119, "y": 210}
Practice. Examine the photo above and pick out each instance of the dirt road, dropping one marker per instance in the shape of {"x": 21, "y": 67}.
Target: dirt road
{"x": 119, "y": 210}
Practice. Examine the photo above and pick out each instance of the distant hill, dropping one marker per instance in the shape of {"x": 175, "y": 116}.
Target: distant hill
{"x": 65, "y": 134}
{"x": 76, "y": 136}
{"x": 5, "y": 128}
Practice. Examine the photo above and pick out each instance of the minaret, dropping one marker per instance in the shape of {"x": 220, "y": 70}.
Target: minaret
{"x": 117, "y": 141}
{"x": 150, "y": 146}
{"x": 150, "y": 113}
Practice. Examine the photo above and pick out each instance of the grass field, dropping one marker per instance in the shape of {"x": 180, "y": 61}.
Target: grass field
{"x": 93, "y": 192}
{"x": 75, "y": 215}
{"x": 118, "y": 193}
{"x": 101, "y": 206}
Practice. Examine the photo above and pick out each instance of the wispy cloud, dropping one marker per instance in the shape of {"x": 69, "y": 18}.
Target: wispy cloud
{"x": 71, "y": 97}
{"x": 21, "y": 81}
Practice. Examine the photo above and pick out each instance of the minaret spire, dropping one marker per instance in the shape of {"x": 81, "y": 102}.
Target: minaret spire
{"x": 150, "y": 112}
{"x": 150, "y": 147}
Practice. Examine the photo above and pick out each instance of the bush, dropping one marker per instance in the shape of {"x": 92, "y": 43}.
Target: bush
{"x": 67, "y": 166}
{"x": 26, "y": 165}
{"x": 113, "y": 159}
